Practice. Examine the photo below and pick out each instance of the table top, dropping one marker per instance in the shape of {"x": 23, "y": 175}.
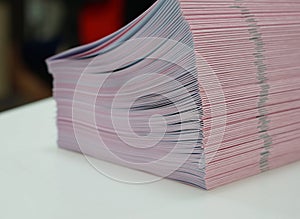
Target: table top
{"x": 39, "y": 180}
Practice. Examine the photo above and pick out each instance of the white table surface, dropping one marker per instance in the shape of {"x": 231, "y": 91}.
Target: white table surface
{"x": 38, "y": 180}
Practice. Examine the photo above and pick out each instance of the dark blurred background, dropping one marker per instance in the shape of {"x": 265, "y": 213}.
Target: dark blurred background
{"x": 33, "y": 30}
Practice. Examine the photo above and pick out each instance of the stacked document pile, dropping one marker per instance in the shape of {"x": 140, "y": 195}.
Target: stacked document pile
{"x": 203, "y": 92}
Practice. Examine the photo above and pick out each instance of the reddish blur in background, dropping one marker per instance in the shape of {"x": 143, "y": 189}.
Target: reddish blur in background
{"x": 33, "y": 30}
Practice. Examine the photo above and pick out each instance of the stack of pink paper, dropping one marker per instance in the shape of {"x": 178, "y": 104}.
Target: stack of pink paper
{"x": 203, "y": 92}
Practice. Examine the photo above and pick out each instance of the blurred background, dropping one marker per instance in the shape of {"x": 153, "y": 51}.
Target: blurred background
{"x": 33, "y": 30}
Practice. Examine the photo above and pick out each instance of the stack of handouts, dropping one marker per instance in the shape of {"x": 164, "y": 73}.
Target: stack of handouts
{"x": 203, "y": 92}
